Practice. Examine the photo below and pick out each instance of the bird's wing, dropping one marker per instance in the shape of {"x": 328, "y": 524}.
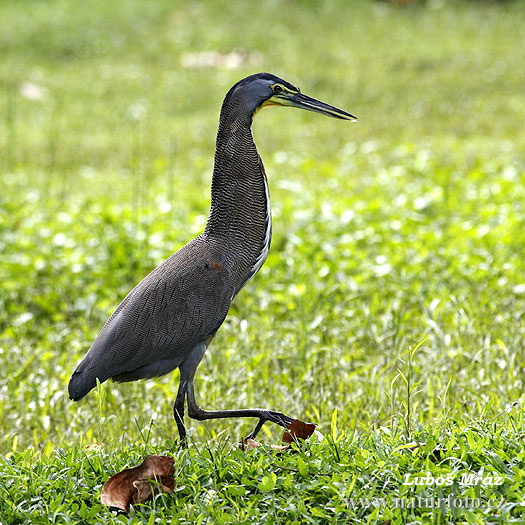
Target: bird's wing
{"x": 182, "y": 302}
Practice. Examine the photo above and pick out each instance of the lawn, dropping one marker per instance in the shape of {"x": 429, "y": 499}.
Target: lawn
{"x": 390, "y": 310}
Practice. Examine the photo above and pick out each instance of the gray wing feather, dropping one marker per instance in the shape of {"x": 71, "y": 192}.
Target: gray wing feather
{"x": 180, "y": 303}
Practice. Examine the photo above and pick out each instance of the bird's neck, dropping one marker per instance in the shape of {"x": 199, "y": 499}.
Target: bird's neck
{"x": 240, "y": 217}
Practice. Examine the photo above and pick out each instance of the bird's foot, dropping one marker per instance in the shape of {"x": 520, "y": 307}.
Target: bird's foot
{"x": 274, "y": 417}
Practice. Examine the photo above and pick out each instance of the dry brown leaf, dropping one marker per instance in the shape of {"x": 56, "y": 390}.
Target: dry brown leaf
{"x": 147, "y": 488}
{"x": 134, "y": 485}
{"x": 280, "y": 447}
{"x": 249, "y": 444}
{"x": 144, "y": 490}
{"x": 298, "y": 430}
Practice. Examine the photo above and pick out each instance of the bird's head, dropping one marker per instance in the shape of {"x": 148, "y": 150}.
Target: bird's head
{"x": 264, "y": 89}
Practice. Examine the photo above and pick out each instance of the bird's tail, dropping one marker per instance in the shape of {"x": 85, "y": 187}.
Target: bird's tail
{"x": 83, "y": 380}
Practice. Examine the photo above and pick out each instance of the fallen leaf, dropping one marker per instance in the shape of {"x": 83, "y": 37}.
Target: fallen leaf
{"x": 249, "y": 444}
{"x": 146, "y": 489}
{"x": 298, "y": 430}
{"x": 280, "y": 447}
{"x": 136, "y": 485}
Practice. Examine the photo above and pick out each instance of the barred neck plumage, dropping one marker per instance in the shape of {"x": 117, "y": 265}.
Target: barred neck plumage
{"x": 240, "y": 216}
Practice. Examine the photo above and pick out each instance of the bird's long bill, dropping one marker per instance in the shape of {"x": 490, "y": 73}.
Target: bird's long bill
{"x": 298, "y": 100}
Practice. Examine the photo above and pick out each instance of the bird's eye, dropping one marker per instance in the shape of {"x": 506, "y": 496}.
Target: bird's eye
{"x": 277, "y": 88}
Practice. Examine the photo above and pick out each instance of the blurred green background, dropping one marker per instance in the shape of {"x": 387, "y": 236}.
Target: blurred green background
{"x": 410, "y": 221}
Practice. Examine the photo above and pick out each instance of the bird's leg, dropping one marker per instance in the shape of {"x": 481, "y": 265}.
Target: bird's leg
{"x": 178, "y": 412}
{"x": 264, "y": 415}
{"x": 256, "y": 430}
{"x": 187, "y": 375}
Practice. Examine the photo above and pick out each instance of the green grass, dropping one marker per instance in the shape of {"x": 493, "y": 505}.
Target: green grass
{"x": 410, "y": 222}
{"x": 340, "y": 480}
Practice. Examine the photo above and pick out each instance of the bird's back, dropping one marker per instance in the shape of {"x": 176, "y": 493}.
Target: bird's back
{"x": 180, "y": 303}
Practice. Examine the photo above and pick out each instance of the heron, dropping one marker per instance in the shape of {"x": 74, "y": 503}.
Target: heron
{"x": 170, "y": 318}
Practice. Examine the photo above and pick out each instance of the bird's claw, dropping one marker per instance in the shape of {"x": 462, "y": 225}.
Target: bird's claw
{"x": 279, "y": 418}
{"x": 274, "y": 417}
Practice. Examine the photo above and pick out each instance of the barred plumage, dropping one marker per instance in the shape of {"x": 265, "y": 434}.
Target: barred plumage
{"x": 170, "y": 317}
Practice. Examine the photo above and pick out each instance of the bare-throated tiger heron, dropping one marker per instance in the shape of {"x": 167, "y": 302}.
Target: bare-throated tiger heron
{"x": 169, "y": 319}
